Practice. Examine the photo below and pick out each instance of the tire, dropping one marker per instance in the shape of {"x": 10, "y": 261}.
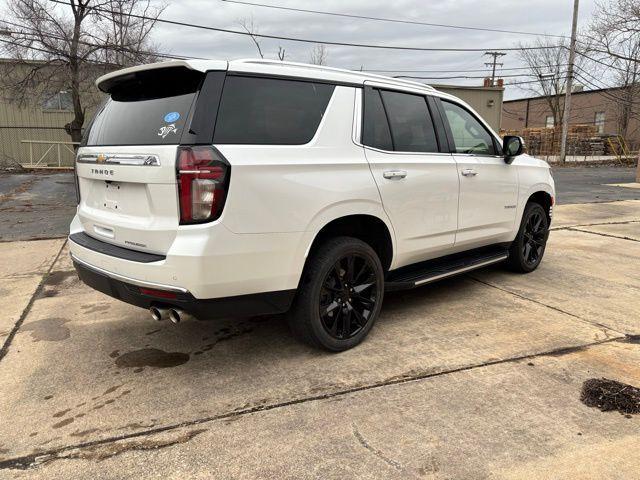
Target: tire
{"x": 527, "y": 250}
{"x": 340, "y": 295}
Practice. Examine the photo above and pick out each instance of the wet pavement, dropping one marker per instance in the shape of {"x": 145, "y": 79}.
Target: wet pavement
{"x": 36, "y": 206}
{"x": 475, "y": 377}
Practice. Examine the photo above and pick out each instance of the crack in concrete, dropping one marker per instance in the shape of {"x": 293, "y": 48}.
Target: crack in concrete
{"x": 569, "y": 227}
{"x": 34, "y": 459}
{"x": 584, "y": 320}
{"x": 36, "y": 294}
{"x": 575, "y": 229}
{"x": 105, "y": 451}
{"x": 362, "y": 441}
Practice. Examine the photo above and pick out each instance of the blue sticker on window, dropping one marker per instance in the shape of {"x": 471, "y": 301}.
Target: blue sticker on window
{"x": 171, "y": 117}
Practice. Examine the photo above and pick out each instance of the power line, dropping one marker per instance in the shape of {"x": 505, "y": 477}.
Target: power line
{"x": 604, "y": 90}
{"x": 601, "y": 62}
{"x": 529, "y": 81}
{"x": 460, "y": 70}
{"x": 468, "y": 77}
{"x": 33, "y": 32}
{"x": 306, "y": 40}
{"x": 392, "y": 20}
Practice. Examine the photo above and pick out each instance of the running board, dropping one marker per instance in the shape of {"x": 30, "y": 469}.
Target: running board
{"x": 432, "y": 270}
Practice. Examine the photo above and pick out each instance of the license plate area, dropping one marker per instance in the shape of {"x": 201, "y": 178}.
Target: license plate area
{"x": 112, "y": 196}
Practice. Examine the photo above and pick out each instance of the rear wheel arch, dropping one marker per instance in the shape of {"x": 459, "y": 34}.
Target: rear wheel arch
{"x": 370, "y": 229}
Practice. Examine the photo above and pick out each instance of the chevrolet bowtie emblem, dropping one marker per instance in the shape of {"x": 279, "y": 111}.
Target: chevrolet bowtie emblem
{"x": 101, "y": 158}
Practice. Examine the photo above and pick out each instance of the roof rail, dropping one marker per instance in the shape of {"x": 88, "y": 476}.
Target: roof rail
{"x": 333, "y": 69}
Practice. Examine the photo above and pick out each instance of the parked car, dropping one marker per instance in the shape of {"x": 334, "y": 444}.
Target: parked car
{"x": 212, "y": 188}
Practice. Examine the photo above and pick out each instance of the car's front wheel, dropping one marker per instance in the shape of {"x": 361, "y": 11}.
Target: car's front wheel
{"x": 340, "y": 295}
{"x": 529, "y": 245}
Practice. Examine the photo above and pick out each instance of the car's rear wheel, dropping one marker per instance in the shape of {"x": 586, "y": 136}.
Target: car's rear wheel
{"x": 526, "y": 251}
{"x": 340, "y": 295}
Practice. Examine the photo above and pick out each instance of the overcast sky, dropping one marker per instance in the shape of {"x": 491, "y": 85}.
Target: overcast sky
{"x": 543, "y": 16}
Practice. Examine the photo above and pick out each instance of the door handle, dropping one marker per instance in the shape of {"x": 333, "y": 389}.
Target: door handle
{"x": 469, "y": 172}
{"x": 394, "y": 174}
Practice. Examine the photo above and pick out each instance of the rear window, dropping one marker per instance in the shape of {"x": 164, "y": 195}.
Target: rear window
{"x": 145, "y": 108}
{"x": 267, "y": 111}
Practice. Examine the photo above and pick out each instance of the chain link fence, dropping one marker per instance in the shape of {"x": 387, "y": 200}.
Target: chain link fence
{"x": 35, "y": 146}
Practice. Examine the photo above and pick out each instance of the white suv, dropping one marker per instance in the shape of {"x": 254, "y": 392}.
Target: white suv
{"x": 212, "y": 188}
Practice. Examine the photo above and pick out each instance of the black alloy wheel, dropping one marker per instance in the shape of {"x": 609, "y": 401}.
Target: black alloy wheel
{"x": 535, "y": 233}
{"x": 526, "y": 251}
{"x": 339, "y": 296}
{"x": 348, "y": 296}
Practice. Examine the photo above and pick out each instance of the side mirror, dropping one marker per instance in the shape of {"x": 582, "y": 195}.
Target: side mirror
{"x": 512, "y": 147}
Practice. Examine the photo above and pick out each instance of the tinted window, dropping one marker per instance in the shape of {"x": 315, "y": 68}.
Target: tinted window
{"x": 469, "y": 135}
{"x": 411, "y": 126}
{"x": 144, "y": 108}
{"x": 145, "y": 122}
{"x": 375, "y": 128}
{"x": 270, "y": 111}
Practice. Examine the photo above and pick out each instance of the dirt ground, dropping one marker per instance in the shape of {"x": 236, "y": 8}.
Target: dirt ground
{"x": 476, "y": 377}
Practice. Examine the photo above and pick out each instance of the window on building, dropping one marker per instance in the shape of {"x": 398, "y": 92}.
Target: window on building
{"x": 549, "y": 123}
{"x": 599, "y": 121}
{"x": 58, "y": 101}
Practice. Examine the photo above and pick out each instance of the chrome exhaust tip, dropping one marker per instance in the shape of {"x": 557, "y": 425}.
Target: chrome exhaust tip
{"x": 176, "y": 315}
{"x": 158, "y": 314}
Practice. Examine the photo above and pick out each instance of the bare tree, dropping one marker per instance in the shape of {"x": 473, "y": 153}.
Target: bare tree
{"x": 615, "y": 28}
{"x": 319, "y": 55}
{"x": 63, "y": 49}
{"x": 548, "y": 68}
{"x": 251, "y": 28}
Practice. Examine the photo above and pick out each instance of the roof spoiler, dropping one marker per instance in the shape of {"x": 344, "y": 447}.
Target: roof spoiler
{"x": 106, "y": 82}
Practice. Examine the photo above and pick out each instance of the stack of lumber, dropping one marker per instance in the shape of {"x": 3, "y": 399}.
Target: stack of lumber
{"x": 581, "y": 140}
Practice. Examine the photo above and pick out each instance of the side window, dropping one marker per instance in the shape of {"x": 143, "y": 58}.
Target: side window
{"x": 411, "y": 125}
{"x": 469, "y": 135}
{"x": 375, "y": 128}
{"x": 269, "y": 111}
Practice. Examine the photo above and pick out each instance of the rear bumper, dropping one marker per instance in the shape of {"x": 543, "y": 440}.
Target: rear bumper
{"x": 208, "y": 261}
{"x": 128, "y": 290}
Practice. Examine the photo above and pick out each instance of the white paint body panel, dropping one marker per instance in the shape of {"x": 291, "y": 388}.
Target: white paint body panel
{"x": 488, "y": 200}
{"x": 280, "y": 197}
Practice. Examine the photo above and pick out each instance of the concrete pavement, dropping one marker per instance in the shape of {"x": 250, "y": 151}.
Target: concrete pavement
{"x": 474, "y": 377}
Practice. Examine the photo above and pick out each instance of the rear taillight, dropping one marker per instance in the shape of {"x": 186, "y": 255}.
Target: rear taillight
{"x": 203, "y": 177}
{"x": 76, "y": 181}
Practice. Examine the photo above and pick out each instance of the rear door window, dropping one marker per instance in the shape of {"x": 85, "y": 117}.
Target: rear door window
{"x": 411, "y": 124}
{"x": 270, "y": 111}
{"x": 145, "y": 108}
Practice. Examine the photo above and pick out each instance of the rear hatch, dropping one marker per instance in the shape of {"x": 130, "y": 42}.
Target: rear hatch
{"x": 126, "y": 166}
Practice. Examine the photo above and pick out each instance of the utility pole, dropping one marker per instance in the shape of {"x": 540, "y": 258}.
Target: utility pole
{"x": 567, "y": 93}
{"x": 493, "y": 64}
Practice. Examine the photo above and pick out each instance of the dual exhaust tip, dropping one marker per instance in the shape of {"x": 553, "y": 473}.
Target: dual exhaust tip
{"x": 176, "y": 315}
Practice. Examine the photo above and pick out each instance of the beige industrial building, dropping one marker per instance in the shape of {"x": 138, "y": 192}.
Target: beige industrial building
{"x": 487, "y": 101}
{"x": 32, "y": 130}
